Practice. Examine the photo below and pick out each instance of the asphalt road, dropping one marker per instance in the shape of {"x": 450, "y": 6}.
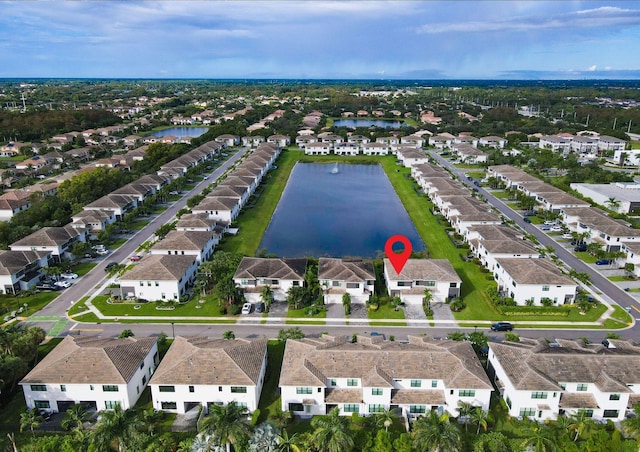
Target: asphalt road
{"x": 85, "y": 285}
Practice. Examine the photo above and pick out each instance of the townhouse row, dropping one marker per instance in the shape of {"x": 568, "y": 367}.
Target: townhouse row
{"x": 537, "y": 379}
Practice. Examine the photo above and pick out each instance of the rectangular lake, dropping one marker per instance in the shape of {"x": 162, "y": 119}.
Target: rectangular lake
{"x": 351, "y": 213}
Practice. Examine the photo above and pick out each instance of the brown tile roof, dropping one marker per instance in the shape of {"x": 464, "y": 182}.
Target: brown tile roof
{"x": 12, "y": 262}
{"x": 195, "y": 220}
{"x": 423, "y": 270}
{"x": 217, "y": 203}
{"x": 536, "y": 365}
{"x": 534, "y": 271}
{"x": 208, "y": 361}
{"x": 159, "y": 267}
{"x": 418, "y": 397}
{"x": 49, "y": 236}
{"x": 345, "y": 270}
{"x": 92, "y": 360}
{"x": 343, "y": 395}
{"x": 575, "y": 400}
{"x": 184, "y": 240}
{"x": 509, "y": 246}
{"x": 309, "y": 362}
{"x": 274, "y": 268}
{"x": 495, "y": 232}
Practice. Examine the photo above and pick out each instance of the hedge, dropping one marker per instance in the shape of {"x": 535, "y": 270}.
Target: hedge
{"x": 556, "y": 311}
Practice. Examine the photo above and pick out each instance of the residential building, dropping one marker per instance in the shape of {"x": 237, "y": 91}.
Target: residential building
{"x": 542, "y": 380}
{"x": 201, "y": 371}
{"x": 621, "y": 197}
{"x": 341, "y": 276}
{"x": 56, "y": 240}
{"x": 21, "y": 270}
{"x": 99, "y": 373}
{"x": 372, "y": 375}
{"x": 255, "y": 273}
{"x": 187, "y": 243}
{"x": 436, "y": 275}
{"x": 160, "y": 277}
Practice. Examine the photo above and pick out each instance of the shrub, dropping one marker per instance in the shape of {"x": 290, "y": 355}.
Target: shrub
{"x": 234, "y": 309}
{"x": 255, "y": 416}
{"x": 457, "y": 305}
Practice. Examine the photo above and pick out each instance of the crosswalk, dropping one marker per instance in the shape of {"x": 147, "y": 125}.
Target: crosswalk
{"x": 58, "y": 326}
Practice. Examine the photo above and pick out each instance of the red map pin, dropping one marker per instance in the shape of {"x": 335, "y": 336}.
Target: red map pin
{"x": 398, "y": 259}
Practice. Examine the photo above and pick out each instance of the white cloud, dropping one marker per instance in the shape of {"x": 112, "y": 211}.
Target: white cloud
{"x": 592, "y": 68}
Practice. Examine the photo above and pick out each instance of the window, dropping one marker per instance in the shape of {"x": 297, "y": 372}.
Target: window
{"x": 242, "y": 404}
{"x": 296, "y": 407}
{"x": 335, "y": 283}
{"x": 157, "y": 284}
{"x": 614, "y": 397}
{"x": 167, "y": 388}
{"x": 111, "y": 404}
{"x": 144, "y": 379}
{"x": 509, "y": 403}
{"x": 38, "y": 387}
{"x": 545, "y": 288}
{"x": 404, "y": 283}
{"x": 332, "y": 382}
{"x": 538, "y": 395}
{"x": 192, "y": 389}
{"x": 582, "y": 387}
{"x": 376, "y": 408}
{"x": 376, "y": 391}
{"x": 610, "y": 413}
{"x": 239, "y": 389}
{"x": 303, "y": 390}
{"x": 141, "y": 284}
{"x": 587, "y": 412}
{"x": 417, "y": 409}
{"x": 563, "y": 386}
{"x": 169, "y": 405}
{"x": 90, "y": 387}
{"x": 527, "y": 412}
{"x": 416, "y": 383}
{"x": 351, "y": 408}
{"x": 63, "y": 388}
{"x": 109, "y": 388}
{"x": 467, "y": 393}
{"x": 434, "y": 383}
{"x": 41, "y": 404}
{"x": 352, "y": 382}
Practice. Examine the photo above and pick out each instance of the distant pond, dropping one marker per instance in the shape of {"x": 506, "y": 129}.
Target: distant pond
{"x": 353, "y": 123}
{"x": 181, "y": 132}
{"x": 350, "y": 213}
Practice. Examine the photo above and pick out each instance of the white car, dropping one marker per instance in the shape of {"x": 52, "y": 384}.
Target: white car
{"x": 246, "y": 308}
{"x": 550, "y": 223}
{"x": 63, "y": 284}
{"x": 567, "y": 236}
{"x": 69, "y": 275}
{"x": 556, "y": 228}
{"x": 102, "y": 252}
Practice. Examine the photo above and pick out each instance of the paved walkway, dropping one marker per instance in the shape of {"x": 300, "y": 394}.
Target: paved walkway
{"x": 442, "y": 312}
{"x": 414, "y": 313}
{"x": 336, "y": 311}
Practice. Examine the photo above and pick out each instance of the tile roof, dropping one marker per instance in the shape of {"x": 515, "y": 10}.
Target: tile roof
{"x": 159, "y": 267}
{"x": 537, "y": 365}
{"x": 92, "y": 360}
{"x": 310, "y": 362}
{"x": 184, "y": 240}
{"x": 534, "y": 271}
{"x": 423, "y": 270}
{"x": 418, "y": 396}
{"x": 48, "y": 236}
{"x": 208, "y": 361}
{"x": 12, "y": 262}
{"x": 196, "y": 220}
{"x": 275, "y": 268}
{"x": 345, "y": 270}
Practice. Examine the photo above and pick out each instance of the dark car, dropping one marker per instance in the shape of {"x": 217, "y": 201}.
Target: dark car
{"x": 110, "y": 265}
{"x": 502, "y": 326}
{"x": 47, "y": 286}
{"x": 581, "y": 248}
{"x": 260, "y": 307}
{"x": 527, "y": 220}
{"x": 530, "y": 213}
{"x": 603, "y": 261}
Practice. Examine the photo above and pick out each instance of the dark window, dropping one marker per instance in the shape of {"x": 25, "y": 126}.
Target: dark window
{"x": 192, "y": 389}
{"x": 169, "y": 405}
{"x": 38, "y": 387}
{"x": 167, "y": 388}
{"x": 109, "y": 388}
{"x": 296, "y": 407}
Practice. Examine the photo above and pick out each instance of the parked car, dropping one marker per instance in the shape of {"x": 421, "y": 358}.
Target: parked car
{"x": 549, "y": 223}
{"x": 580, "y": 248}
{"x": 567, "y": 236}
{"x": 135, "y": 258}
{"x": 260, "y": 307}
{"x": 47, "y": 286}
{"x": 603, "y": 261}
{"x": 110, "y": 265}
{"x": 69, "y": 275}
{"x": 502, "y": 326}
{"x": 90, "y": 255}
{"x": 530, "y": 213}
{"x": 102, "y": 252}
{"x": 63, "y": 284}
{"x": 527, "y": 220}
{"x": 545, "y": 228}
{"x": 246, "y": 308}
{"x": 556, "y": 228}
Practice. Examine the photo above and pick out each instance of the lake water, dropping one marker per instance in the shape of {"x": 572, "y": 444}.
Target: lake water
{"x": 353, "y": 123}
{"x": 181, "y": 132}
{"x": 351, "y": 213}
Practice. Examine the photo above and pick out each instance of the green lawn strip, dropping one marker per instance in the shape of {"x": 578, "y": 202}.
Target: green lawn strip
{"x": 253, "y": 221}
{"x": 500, "y": 194}
{"x": 620, "y": 278}
{"x": 89, "y": 317}
{"x": 476, "y": 174}
{"x": 138, "y": 225}
{"x": 634, "y": 289}
{"x": 82, "y": 268}
{"x": 117, "y": 243}
{"x": 620, "y": 314}
{"x": 388, "y": 323}
{"x": 270, "y": 396}
{"x": 35, "y": 302}
{"x": 385, "y": 311}
{"x": 78, "y": 307}
{"x": 192, "y": 308}
{"x": 468, "y": 166}
{"x": 586, "y": 257}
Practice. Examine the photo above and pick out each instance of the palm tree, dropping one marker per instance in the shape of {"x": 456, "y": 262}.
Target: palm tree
{"x": 31, "y": 420}
{"x": 631, "y": 425}
{"x": 435, "y": 433}
{"x": 540, "y": 438}
{"x": 227, "y": 424}
{"x": 116, "y": 429}
{"x": 267, "y": 297}
{"x": 331, "y": 432}
{"x": 579, "y": 423}
{"x": 289, "y": 443}
{"x": 480, "y": 417}
{"x": 464, "y": 413}
{"x": 612, "y": 203}
{"x": 74, "y": 418}
{"x": 385, "y": 419}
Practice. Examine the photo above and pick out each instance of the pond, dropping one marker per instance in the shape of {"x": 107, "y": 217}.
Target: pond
{"x": 385, "y": 123}
{"x": 181, "y": 132}
{"x": 348, "y": 213}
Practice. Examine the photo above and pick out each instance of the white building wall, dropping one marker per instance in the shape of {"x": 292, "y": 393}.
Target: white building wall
{"x": 288, "y": 394}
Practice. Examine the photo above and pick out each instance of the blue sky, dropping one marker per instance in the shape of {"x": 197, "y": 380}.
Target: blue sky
{"x": 321, "y": 39}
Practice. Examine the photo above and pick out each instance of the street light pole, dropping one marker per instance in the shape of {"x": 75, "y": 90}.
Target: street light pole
{"x": 173, "y": 330}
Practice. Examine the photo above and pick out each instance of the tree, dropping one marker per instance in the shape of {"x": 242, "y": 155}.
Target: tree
{"x": 117, "y": 429}
{"x": 126, "y": 333}
{"x": 631, "y": 425}
{"x": 296, "y": 297}
{"x": 579, "y": 423}
{"x": 228, "y": 335}
{"x": 267, "y": 297}
{"x": 464, "y": 413}
{"x": 457, "y": 336}
{"x": 331, "y": 432}
{"x": 480, "y": 417}
{"x": 435, "y": 432}
{"x": 30, "y": 419}
{"x": 227, "y": 424}
{"x": 492, "y": 442}
{"x": 290, "y": 333}
{"x": 382, "y": 442}
{"x": 385, "y": 419}
{"x": 75, "y": 418}
{"x": 613, "y": 203}
{"x": 53, "y": 272}
{"x": 265, "y": 438}
{"x": 540, "y": 438}
{"x": 289, "y": 443}
{"x": 346, "y": 303}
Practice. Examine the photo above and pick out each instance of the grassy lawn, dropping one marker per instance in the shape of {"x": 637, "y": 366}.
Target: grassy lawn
{"x": 270, "y": 397}
{"x": 117, "y": 243}
{"x": 386, "y": 311}
{"x": 80, "y": 306}
{"x": 620, "y": 314}
{"x": 34, "y": 302}
{"x": 303, "y": 314}
{"x": 254, "y": 221}
{"x": 620, "y": 278}
{"x": 476, "y": 174}
{"x": 82, "y": 268}
{"x": 192, "y": 308}
{"x": 500, "y": 194}
{"x": 586, "y": 257}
